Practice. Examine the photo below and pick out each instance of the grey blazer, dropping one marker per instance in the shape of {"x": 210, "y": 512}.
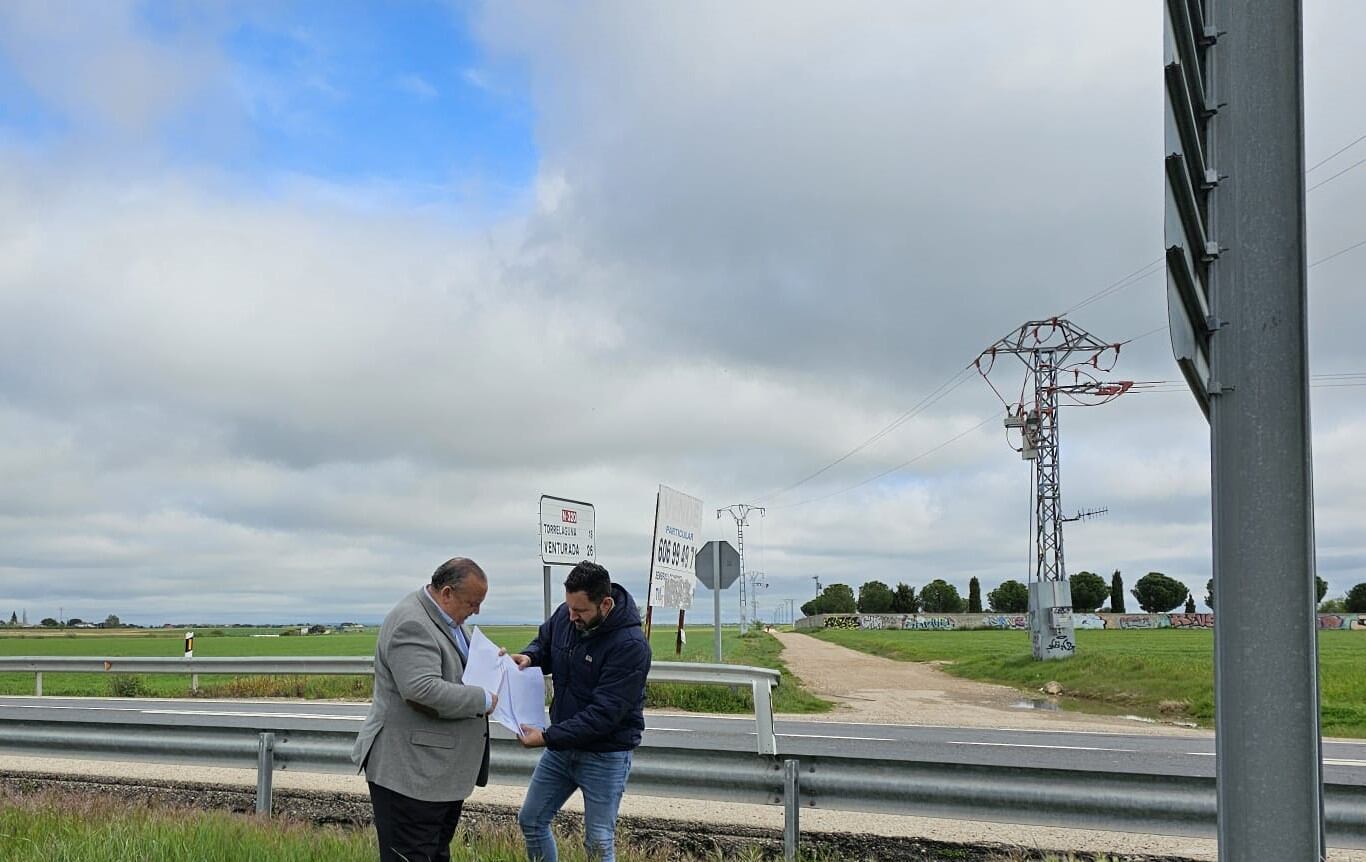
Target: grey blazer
{"x": 426, "y": 735}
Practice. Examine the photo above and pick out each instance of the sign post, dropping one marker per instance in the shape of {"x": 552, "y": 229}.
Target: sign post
{"x": 567, "y": 528}
{"x": 1236, "y": 268}
{"x": 718, "y": 566}
{"x": 673, "y": 560}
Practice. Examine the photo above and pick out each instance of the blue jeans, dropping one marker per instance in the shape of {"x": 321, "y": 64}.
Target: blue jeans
{"x": 601, "y": 775}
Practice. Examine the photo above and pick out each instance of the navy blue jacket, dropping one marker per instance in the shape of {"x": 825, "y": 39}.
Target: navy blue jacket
{"x": 599, "y": 678}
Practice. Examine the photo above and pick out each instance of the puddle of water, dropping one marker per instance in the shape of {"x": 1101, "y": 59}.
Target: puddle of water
{"x": 1034, "y": 703}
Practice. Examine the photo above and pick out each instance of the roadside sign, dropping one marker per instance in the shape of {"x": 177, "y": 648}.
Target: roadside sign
{"x": 730, "y": 564}
{"x": 566, "y": 531}
{"x": 1191, "y": 191}
{"x": 678, "y": 523}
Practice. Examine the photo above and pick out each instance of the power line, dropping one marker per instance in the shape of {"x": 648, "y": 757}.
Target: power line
{"x": 903, "y": 465}
{"x": 1323, "y": 162}
{"x": 943, "y": 389}
{"x": 1127, "y": 281}
{"x": 1350, "y": 167}
{"x": 1337, "y": 253}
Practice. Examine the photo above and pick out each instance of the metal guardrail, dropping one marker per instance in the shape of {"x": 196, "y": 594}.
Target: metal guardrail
{"x": 760, "y": 680}
{"x": 1159, "y": 804}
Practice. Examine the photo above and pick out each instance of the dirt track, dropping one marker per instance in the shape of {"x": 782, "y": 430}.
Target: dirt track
{"x": 869, "y": 688}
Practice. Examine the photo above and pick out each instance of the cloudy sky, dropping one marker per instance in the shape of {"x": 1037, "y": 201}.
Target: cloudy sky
{"x": 297, "y": 302}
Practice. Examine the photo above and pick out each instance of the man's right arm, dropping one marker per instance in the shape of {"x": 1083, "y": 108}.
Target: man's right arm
{"x": 537, "y": 653}
{"x": 415, "y": 662}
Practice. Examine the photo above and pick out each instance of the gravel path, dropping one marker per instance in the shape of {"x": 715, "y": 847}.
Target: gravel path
{"x": 877, "y": 690}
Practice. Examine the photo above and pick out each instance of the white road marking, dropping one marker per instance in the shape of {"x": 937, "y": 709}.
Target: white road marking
{"x": 668, "y": 730}
{"x": 827, "y": 736}
{"x": 1027, "y": 745}
{"x": 57, "y": 706}
{"x": 250, "y": 714}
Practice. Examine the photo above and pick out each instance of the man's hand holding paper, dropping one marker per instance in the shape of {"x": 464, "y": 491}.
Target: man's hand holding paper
{"x": 520, "y": 693}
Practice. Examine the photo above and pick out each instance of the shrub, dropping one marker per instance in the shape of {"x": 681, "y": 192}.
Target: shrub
{"x": 127, "y": 685}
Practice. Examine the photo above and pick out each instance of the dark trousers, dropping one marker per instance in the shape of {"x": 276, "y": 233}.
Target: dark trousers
{"x": 411, "y": 830}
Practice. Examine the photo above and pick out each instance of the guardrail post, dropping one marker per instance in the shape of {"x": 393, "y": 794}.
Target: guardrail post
{"x": 194, "y": 682}
{"x": 38, "y": 683}
{"x": 792, "y": 806}
{"x": 265, "y": 772}
{"x": 763, "y": 716}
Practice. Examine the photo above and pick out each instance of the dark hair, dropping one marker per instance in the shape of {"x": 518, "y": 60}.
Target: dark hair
{"x": 589, "y": 578}
{"x": 454, "y": 571}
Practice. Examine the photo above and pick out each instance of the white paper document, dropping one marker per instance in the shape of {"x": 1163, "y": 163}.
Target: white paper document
{"x": 521, "y": 693}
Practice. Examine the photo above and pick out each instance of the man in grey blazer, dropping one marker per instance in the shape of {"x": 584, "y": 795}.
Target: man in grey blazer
{"x": 425, "y": 743}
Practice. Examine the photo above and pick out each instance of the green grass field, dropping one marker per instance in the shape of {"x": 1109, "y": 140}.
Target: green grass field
{"x": 1164, "y": 674}
{"x": 760, "y": 650}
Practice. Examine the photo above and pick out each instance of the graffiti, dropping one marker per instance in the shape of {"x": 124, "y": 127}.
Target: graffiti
{"x": 1192, "y": 621}
{"x": 878, "y": 621}
{"x": 1137, "y": 622}
{"x": 1087, "y": 621}
{"x": 1001, "y": 621}
{"x": 1061, "y": 642}
{"x": 833, "y": 622}
{"x": 1342, "y": 621}
{"x": 934, "y": 623}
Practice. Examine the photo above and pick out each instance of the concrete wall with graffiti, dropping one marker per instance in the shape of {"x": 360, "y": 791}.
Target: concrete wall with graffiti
{"x": 1020, "y": 622}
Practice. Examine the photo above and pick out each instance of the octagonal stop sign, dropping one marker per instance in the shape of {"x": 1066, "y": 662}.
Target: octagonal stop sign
{"x": 706, "y": 564}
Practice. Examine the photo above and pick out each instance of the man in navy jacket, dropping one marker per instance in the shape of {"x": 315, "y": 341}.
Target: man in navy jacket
{"x": 597, "y": 655}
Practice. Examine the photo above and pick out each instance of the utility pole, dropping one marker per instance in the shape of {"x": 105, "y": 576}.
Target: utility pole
{"x": 1059, "y": 358}
{"x": 741, "y": 512}
{"x": 817, "y": 579}
{"x": 756, "y": 582}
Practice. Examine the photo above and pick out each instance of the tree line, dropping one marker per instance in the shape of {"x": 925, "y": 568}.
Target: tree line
{"x": 1155, "y": 593}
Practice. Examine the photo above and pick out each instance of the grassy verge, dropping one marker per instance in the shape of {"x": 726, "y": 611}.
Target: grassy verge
{"x": 55, "y": 827}
{"x": 755, "y": 649}
{"x": 760, "y": 650}
{"x": 1165, "y": 673}
{"x": 77, "y": 830}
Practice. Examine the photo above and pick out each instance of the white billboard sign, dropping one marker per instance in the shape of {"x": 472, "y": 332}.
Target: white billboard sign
{"x": 566, "y": 532}
{"x": 678, "y": 525}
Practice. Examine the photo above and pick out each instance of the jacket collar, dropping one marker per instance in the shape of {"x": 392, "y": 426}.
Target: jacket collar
{"x": 441, "y": 618}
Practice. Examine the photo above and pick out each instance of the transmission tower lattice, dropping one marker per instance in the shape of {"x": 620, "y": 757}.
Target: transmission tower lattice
{"x": 741, "y": 512}
{"x": 1061, "y": 359}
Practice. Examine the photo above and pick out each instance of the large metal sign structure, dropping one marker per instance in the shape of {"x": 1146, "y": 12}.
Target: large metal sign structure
{"x": 673, "y": 558}
{"x": 1061, "y": 361}
{"x": 1236, "y": 268}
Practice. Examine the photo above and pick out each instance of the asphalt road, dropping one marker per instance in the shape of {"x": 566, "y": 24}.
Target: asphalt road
{"x": 1186, "y": 754}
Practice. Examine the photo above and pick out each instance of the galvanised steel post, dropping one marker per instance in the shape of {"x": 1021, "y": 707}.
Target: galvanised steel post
{"x": 265, "y": 772}
{"x": 1270, "y": 784}
{"x": 792, "y": 808}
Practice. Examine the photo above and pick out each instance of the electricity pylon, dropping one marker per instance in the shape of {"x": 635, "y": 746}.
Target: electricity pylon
{"x": 741, "y": 512}
{"x": 1062, "y": 360}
